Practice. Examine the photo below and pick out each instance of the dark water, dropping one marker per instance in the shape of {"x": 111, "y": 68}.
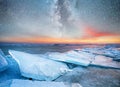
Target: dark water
{"x": 43, "y": 48}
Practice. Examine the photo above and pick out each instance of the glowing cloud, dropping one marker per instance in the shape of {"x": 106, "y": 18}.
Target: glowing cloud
{"x": 92, "y": 32}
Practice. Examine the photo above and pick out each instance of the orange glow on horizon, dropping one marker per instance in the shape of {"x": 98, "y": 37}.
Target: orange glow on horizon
{"x": 97, "y": 40}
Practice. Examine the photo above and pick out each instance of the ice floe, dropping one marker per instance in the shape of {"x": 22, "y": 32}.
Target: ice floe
{"x": 109, "y": 52}
{"x": 88, "y": 56}
{"x": 78, "y": 58}
{"x": 26, "y": 69}
{"x": 39, "y": 68}
{"x": 105, "y": 62}
{"x": 12, "y": 71}
{"x": 3, "y": 62}
{"x": 29, "y": 83}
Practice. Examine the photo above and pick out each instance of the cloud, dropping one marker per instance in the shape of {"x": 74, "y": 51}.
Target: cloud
{"x": 92, "y": 32}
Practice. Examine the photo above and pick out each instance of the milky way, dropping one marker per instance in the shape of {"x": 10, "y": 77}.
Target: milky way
{"x": 73, "y": 19}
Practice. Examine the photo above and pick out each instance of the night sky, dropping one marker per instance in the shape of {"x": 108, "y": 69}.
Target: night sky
{"x": 60, "y": 21}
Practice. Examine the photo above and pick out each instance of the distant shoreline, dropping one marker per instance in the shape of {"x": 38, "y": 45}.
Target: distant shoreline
{"x": 55, "y": 44}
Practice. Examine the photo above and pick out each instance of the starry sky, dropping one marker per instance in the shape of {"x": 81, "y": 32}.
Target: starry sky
{"x": 60, "y": 21}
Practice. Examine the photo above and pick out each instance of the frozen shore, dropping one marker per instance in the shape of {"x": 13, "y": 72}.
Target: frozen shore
{"x": 88, "y": 67}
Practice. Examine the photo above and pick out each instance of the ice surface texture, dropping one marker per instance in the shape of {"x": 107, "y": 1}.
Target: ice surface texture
{"x": 79, "y": 58}
{"x": 12, "y": 71}
{"x": 86, "y": 57}
{"x": 109, "y": 52}
{"x": 29, "y": 83}
{"x": 105, "y": 62}
{"x": 37, "y": 67}
{"x": 3, "y": 62}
